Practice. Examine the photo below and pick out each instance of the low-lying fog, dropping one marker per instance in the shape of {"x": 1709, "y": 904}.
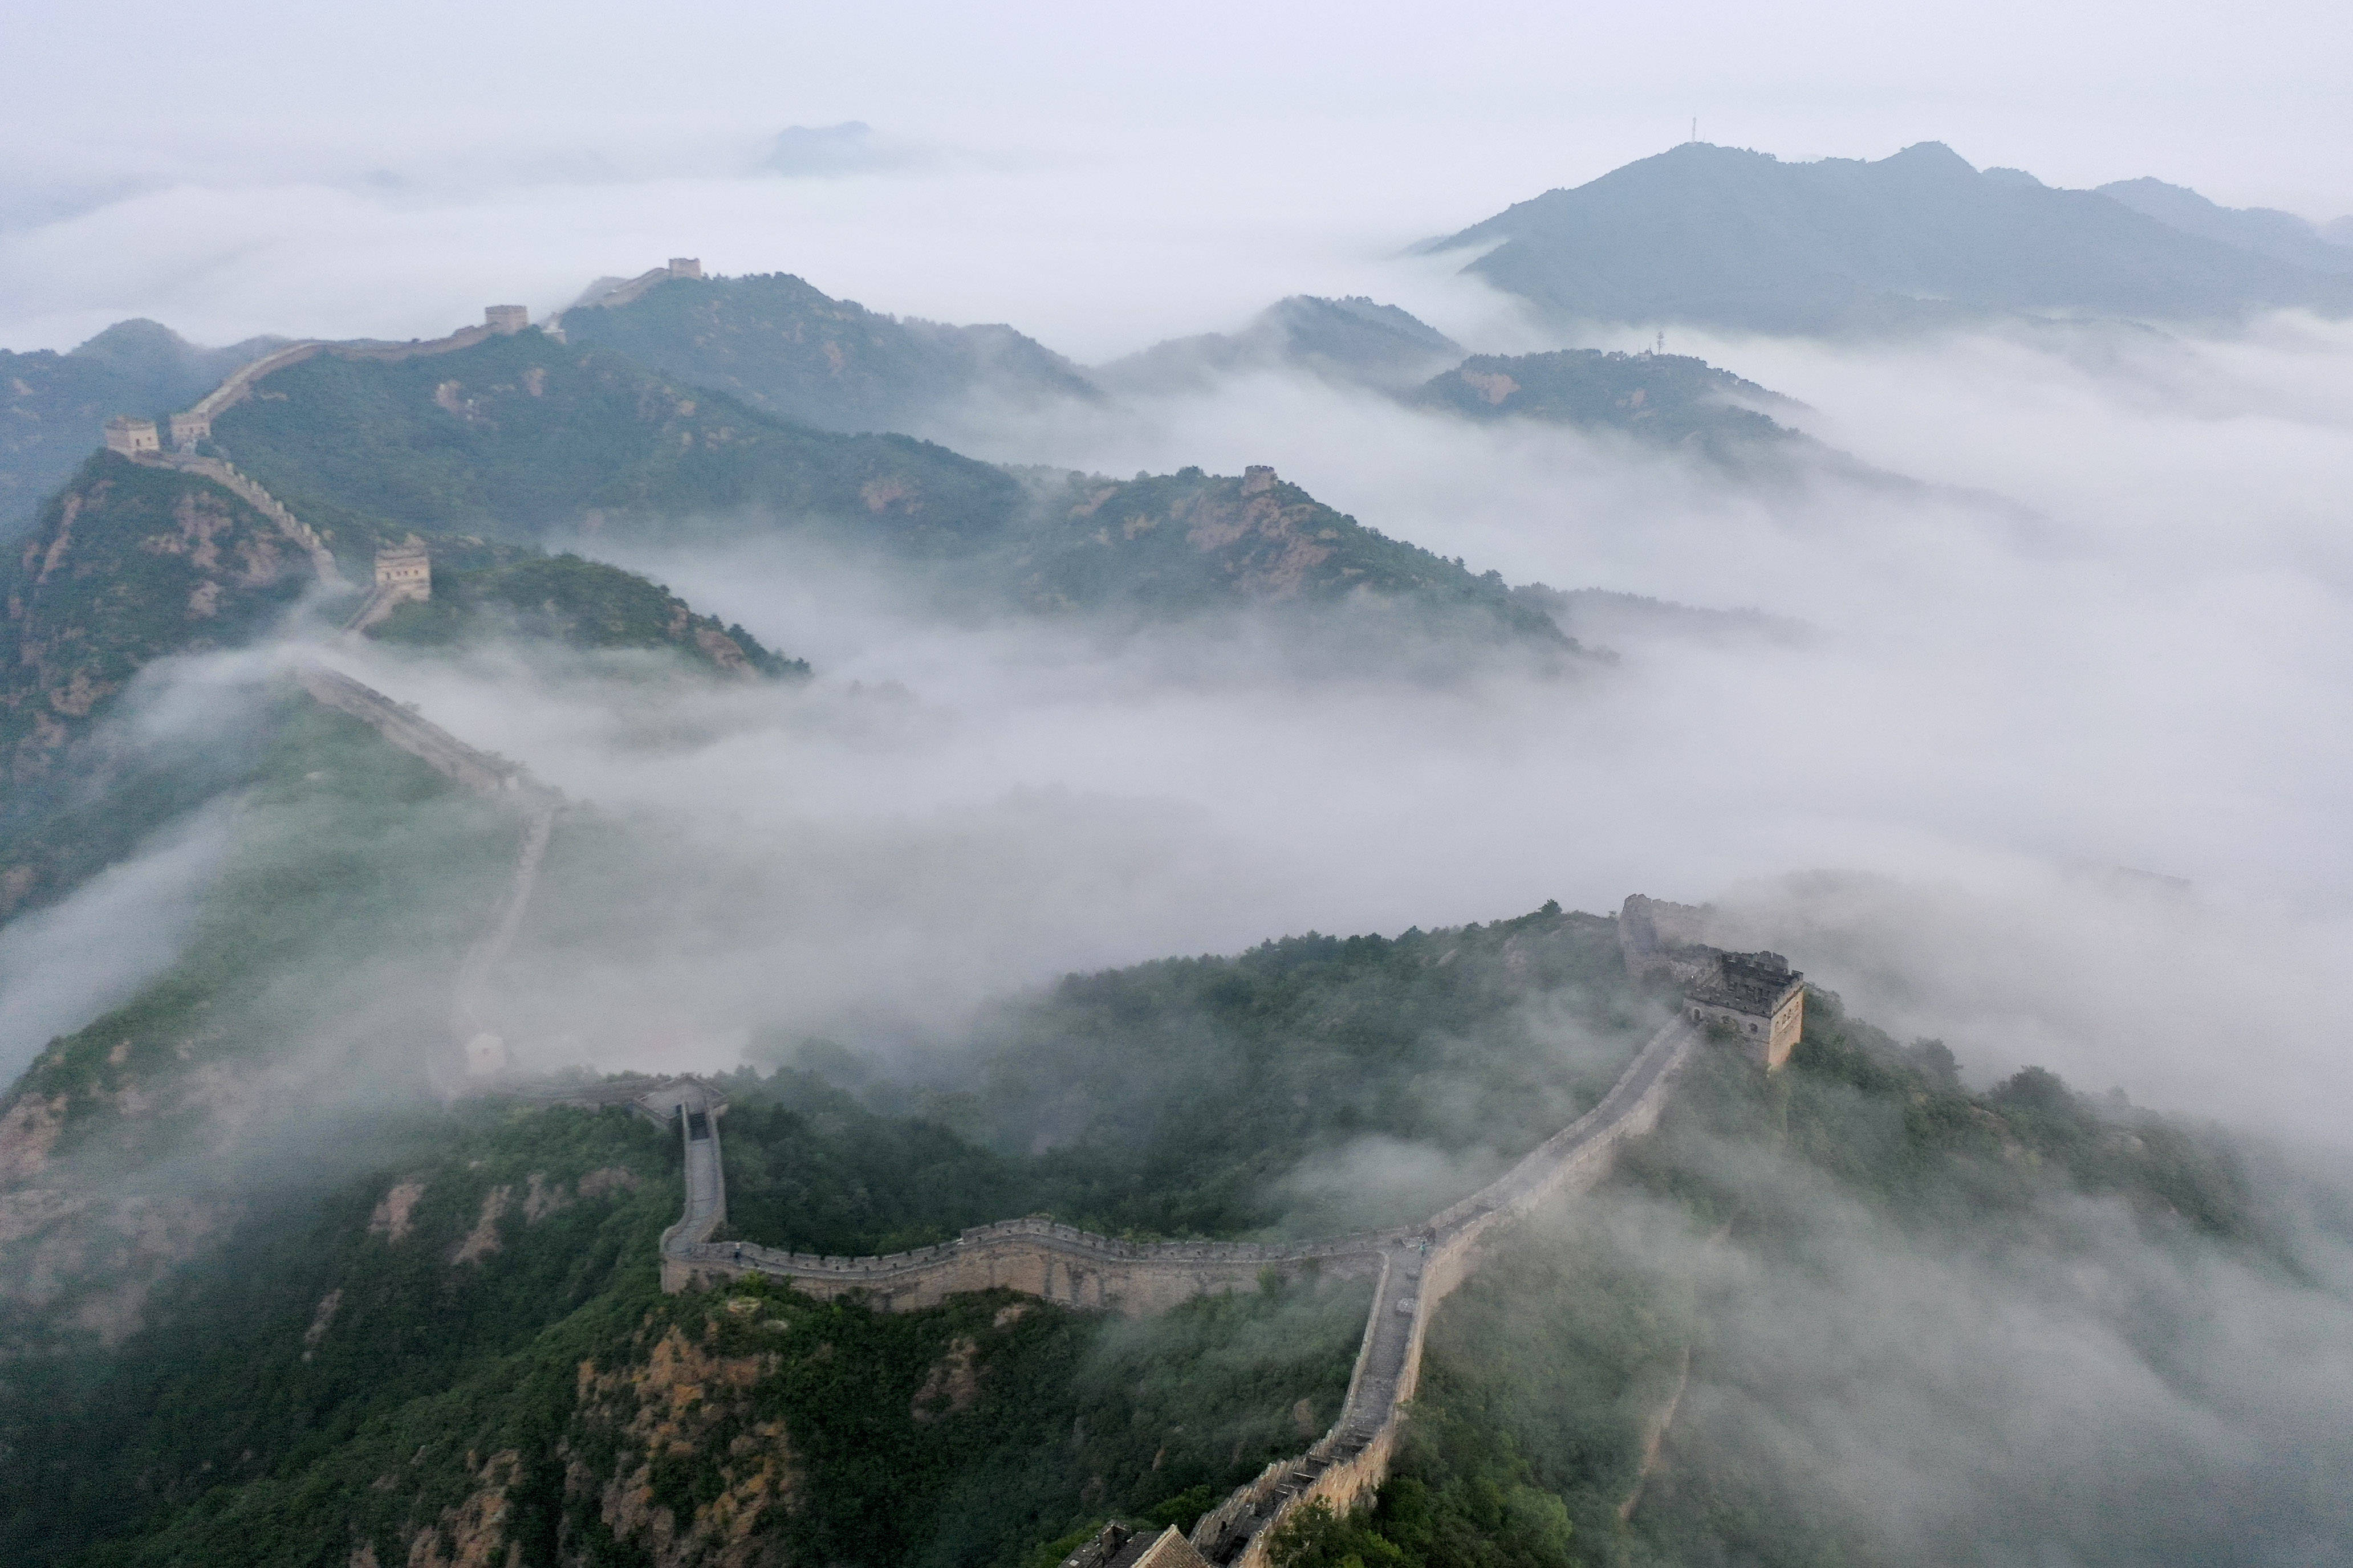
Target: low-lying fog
{"x": 2057, "y": 774}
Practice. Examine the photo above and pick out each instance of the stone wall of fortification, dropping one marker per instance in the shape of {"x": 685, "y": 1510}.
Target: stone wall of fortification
{"x": 1573, "y": 1161}
{"x": 477, "y": 770}
{"x": 1053, "y": 1262}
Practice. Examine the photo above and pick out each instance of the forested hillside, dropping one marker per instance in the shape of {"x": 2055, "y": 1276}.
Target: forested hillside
{"x": 1623, "y": 1385}
{"x": 788, "y": 350}
{"x": 1671, "y": 399}
{"x": 522, "y": 435}
{"x": 482, "y": 591}
{"x": 1354, "y": 340}
{"x": 457, "y": 1351}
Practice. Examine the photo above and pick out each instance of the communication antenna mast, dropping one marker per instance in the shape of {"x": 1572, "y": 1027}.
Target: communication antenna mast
{"x": 1694, "y": 127}
{"x": 1662, "y": 345}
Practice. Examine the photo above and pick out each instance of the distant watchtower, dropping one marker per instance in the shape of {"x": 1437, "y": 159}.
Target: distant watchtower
{"x": 508, "y": 319}
{"x": 685, "y": 266}
{"x": 132, "y": 437}
{"x": 187, "y": 429}
{"x": 403, "y": 571}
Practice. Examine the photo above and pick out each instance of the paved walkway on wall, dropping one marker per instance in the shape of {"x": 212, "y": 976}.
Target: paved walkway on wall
{"x": 477, "y": 1050}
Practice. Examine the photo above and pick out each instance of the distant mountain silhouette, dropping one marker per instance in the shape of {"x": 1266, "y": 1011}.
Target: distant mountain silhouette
{"x": 790, "y": 350}
{"x": 2266, "y": 231}
{"x": 1668, "y": 398}
{"x": 1355, "y": 340}
{"x": 1723, "y": 238}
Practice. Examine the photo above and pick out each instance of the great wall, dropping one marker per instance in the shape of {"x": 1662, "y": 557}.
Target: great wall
{"x": 1751, "y": 1000}
{"x": 1414, "y": 1267}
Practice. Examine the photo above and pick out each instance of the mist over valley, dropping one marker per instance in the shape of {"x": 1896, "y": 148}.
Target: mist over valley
{"x": 1310, "y": 836}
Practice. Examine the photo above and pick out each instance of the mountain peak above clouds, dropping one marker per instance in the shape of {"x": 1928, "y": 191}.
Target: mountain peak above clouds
{"x": 1354, "y": 340}
{"x": 1738, "y": 239}
{"x": 788, "y": 348}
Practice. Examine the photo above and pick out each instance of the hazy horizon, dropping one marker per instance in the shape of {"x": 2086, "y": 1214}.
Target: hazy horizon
{"x": 1101, "y": 181}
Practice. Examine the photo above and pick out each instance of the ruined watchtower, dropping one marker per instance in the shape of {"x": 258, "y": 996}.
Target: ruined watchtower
{"x": 685, "y": 266}
{"x": 132, "y": 437}
{"x": 508, "y": 319}
{"x": 403, "y": 571}
{"x": 1755, "y": 997}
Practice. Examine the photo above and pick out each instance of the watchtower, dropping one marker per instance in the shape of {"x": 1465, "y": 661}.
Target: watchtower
{"x": 403, "y": 571}
{"x": 508, "y": 319}
{"x": 1756, "y": 996}
{"x": 685, "y": 266}
{"x": 132, "y": 437}
{"x": 187, "y": 429}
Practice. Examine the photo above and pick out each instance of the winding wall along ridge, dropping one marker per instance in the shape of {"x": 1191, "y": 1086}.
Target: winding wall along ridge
{"x": 1414, "y": 1267}
{"x": 484, "y": 774}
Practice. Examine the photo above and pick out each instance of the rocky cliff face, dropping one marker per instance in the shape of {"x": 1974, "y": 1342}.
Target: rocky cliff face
{"x": 129, "y": 563}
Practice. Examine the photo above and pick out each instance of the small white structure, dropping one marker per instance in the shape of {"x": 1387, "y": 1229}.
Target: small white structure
{"x": 486, "y": 1056}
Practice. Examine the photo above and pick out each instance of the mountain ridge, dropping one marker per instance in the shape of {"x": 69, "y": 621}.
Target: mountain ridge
{"x": 1738, "y": 239}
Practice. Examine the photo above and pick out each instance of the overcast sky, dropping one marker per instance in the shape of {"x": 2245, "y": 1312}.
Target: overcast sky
{"x": 1100, "y": 176}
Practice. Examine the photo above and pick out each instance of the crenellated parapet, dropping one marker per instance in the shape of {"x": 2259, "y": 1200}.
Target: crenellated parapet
{"x": 1414, "y": 1267}
{"x": 1037, "y": 1257}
